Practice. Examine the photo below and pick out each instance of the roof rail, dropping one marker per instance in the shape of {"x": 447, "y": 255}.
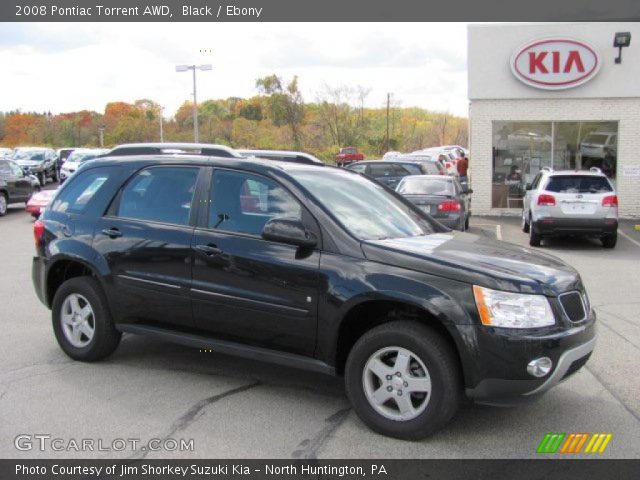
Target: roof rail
{"x": 204, "y": 149}
{"x": 595, "y": 170}
{"x": 546, "y": 169}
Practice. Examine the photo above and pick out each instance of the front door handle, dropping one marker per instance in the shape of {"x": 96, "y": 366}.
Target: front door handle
{"x": 210, "y": 249}
{"x": 112, "y": 232}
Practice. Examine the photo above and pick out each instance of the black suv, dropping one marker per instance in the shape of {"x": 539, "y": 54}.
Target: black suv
{"x": 312, "y": 267}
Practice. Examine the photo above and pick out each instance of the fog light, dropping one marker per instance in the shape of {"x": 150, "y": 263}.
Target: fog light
{"x": 540, "y": 366}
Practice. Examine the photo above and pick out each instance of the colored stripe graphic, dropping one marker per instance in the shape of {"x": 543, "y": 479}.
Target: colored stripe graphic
{"x": 598, "y": 443}
{"x": 550, "y": 442}
{"x": 573, "y": 443}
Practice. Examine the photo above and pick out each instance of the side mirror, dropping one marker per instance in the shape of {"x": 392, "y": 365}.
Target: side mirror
{"x": 288, "y": 230}
{"x": 527, "y": 186}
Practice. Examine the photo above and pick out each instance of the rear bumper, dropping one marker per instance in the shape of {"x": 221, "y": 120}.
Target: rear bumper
{"x": 575, "y": 226}
{"x": 39, "y": 278}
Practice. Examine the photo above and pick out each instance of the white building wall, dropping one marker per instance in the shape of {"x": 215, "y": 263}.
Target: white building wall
{"x": 483, "y": 112}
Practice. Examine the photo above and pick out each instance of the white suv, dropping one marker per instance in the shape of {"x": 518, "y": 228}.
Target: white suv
{"x": 571, "y": 202}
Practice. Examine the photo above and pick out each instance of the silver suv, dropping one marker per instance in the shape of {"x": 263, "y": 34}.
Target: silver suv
{"x": 570, "y": 202}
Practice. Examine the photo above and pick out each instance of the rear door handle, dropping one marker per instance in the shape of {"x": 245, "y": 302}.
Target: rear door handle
{"x": 112, "y": 232}
{"x": 209, "y": 249}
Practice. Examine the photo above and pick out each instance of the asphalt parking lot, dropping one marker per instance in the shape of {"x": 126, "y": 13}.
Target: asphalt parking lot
{"x": 234, "y": 408}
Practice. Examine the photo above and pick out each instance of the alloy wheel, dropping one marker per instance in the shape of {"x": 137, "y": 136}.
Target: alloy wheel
{"x": 396, "y": 383}
{"x": 78, "y": 321}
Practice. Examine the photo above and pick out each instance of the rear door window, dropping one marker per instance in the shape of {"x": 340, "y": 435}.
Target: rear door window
{"x": 160, "y": 194}
{"x": 578, "y": 184}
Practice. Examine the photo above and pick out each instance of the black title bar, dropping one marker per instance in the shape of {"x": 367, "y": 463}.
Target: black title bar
{"x": 317, "y": 10}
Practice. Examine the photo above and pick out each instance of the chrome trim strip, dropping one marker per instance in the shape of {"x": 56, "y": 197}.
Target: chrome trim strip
{"x": 564, "y": 363}
{"x": 151, "y": 282}
{"x": 250, "y": 300}
{"x": 584, "y": 307}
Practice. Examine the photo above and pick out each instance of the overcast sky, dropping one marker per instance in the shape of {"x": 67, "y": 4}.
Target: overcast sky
{"x": 62, "y": 67}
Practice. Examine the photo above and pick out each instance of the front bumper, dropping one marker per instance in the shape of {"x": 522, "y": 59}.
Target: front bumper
{"x": 575, "y": 226}
{"x": 500, "y": 376}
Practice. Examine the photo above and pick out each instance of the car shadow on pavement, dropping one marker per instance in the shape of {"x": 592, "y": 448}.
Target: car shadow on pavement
{"x": 571, "y": 243}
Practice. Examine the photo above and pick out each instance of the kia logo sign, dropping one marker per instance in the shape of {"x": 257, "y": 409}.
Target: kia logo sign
{"x": 555, "y": 63}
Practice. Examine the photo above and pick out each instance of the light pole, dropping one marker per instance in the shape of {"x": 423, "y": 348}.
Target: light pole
{"x": 193, "y": 68}
{"x": 101, "y": 130}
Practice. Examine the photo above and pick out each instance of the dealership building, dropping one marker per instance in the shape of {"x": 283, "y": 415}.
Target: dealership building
{"x": 553, "y": 95}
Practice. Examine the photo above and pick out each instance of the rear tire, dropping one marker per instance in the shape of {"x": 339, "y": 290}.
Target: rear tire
{"x": 525, "y": 225}
{"x": 96, "y": 335}
{"x": 534, "y": 238}
{"x": 466, "y": 223}
{"x": 430, "y": 378}
{"x": 609, "y": 241}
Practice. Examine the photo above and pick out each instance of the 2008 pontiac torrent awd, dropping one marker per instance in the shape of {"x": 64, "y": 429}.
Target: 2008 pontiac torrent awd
{"x": 311, "y": 267}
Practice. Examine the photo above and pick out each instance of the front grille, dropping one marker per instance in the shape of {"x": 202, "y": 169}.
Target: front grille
{"x": 576, "y": 365}
{"x": 573, "y": 306}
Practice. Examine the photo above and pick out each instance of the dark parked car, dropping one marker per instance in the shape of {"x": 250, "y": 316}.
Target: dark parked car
{"x": 41, "y": 162}
{"x": 310, "y": 267}
{"x": 442, "y": 197}
{"x": 15, "y": 185}
{"x": 390, "y": 172}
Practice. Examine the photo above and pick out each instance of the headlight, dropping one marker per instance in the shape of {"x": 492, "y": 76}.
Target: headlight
{"x": 512, "y": 310}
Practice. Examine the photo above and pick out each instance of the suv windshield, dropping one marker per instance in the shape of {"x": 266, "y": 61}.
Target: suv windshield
{"x": 578, "y": 184}
{"x": 362, "y": 206}
{"x": 426, "y": 186}
{"x": 35, "y": 155}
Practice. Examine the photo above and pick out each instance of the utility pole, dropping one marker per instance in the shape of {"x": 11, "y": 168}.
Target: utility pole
{"x": 387, "y": 136}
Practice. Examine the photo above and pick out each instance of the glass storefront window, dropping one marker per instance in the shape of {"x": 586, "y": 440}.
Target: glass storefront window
{"x": 521, "y": 149}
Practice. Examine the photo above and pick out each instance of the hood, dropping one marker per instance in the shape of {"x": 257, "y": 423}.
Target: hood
{"x": 476, "y": 259}
{"x": 29, "y": 163}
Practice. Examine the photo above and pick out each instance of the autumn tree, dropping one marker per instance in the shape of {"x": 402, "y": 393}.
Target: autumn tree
{"x": 285, "y": 105}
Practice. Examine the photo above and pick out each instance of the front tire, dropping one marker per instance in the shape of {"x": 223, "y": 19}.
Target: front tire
{"x": 82, "y": 322}
{"x": 403, "y": 380}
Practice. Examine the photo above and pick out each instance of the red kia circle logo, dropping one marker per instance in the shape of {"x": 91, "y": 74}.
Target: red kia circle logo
{"x": 555, "y": 63}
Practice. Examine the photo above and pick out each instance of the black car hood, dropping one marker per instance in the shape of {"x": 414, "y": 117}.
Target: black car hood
{"x": 476, "y": 259}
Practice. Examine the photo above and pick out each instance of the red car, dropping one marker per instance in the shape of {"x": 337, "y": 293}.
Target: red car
{"x": 348, "y": 155}
{"x": 38, "y": 202}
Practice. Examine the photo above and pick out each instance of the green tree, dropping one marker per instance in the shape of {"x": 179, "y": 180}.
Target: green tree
{"x": 285, "y": 104}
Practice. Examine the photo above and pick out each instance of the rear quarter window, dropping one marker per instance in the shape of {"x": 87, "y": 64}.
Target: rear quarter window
{"x": 79, "y": 192}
